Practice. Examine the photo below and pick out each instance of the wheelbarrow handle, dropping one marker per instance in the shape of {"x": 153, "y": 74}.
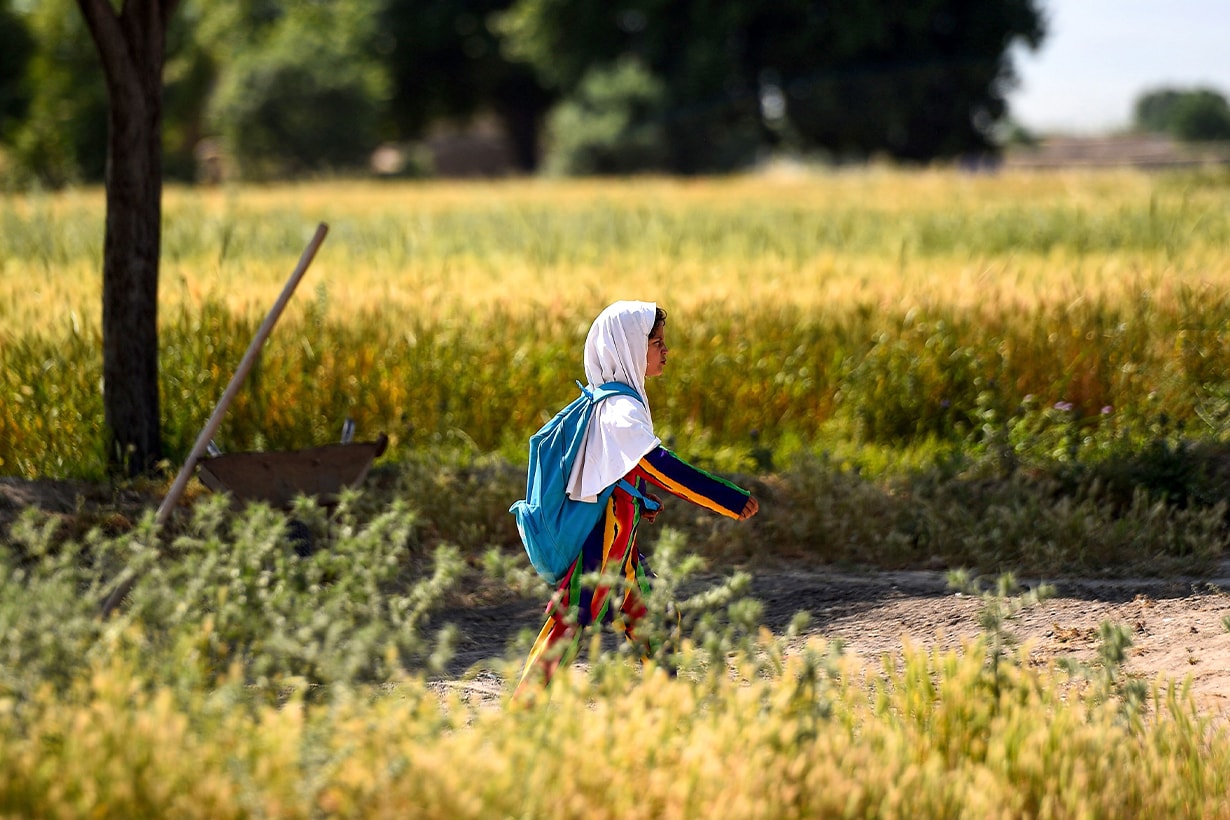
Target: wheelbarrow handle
{"x": 241, "y": 372}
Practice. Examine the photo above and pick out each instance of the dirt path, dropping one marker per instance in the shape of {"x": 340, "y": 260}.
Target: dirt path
{"x": 1176, "y": 624}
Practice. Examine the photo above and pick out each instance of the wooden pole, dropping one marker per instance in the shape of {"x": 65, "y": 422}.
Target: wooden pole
{"x": 202, "y": 442}
{"x": 249, "y": 358}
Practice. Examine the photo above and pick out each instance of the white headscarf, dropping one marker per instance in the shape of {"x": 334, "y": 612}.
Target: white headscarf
{"x": 621, "y": 430}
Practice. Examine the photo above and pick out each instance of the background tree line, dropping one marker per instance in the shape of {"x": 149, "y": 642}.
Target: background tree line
{"x": 1192, "y": 115}
{"x": 580, "y": 86}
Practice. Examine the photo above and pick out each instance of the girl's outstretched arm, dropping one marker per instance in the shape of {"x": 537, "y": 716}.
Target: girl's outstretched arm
{"x": 664, "y": 469}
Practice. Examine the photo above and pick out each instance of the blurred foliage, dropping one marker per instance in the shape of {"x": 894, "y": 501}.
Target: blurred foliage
{"x": 446, "y": 61}
{"x": 1202, "y": 116}
{"x": 16, "y": 50}
{"x": 301, "y": 92}
{"x": 189, "y": 76}
{"x": 63, "y": 138}
{"x": 300, "y": 88}
{"x": 914, "y": 81}
{"x": 1193, "y": 115}
{"x": 612, "y": 125}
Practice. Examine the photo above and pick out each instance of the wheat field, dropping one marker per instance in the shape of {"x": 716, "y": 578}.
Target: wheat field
{"x": 1017, "y": 368}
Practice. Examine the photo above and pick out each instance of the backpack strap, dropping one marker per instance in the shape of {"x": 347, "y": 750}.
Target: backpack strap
{"x": 607, "y": 390}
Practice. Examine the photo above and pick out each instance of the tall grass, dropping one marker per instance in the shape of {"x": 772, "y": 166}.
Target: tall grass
{"x": 1015, "y": 372}
{"x": 768, "y": 379}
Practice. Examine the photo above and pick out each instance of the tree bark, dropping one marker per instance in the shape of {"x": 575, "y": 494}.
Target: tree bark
{"x": 132, "y": 48}
{"x": 521, "y": 127}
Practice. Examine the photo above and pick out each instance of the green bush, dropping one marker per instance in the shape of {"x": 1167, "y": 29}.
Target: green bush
{"x": 611, "y": 125}
{"x": 230, "y": 587}
{"x": 300, "y": 100}
{"x": 1195, "y": 115}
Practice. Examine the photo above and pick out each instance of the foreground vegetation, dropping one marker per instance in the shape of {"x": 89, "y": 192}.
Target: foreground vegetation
{"x": 927, "y": 370}
{"x": 926, "y": 739}
{"x": 242, "y": 678}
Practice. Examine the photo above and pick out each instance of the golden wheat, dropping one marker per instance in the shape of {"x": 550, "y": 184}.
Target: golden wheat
{"x": 885, "y": 240}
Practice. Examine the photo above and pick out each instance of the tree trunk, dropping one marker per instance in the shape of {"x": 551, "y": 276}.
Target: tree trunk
{"x": 131, "y": 45}
{"x": 521, "y": 128}
{"x": 520, "y": 103}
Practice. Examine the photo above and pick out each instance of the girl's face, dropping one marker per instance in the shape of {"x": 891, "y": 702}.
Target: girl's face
{"x": 655, "y": 360}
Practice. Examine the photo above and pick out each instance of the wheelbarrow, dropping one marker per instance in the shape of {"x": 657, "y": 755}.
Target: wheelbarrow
{"x": 279, "y": 477}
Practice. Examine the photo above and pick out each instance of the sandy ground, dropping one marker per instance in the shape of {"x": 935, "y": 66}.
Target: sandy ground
{"x": 1176, "y": 625}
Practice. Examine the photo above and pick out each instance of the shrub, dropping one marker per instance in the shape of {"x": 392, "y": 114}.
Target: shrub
{"x": 229, "y": 588}
{"x": 611, "y": 125}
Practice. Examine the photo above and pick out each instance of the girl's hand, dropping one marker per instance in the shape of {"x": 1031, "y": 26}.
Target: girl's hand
{"x": 652, "y": 515}
{"x": 750, "y": 508}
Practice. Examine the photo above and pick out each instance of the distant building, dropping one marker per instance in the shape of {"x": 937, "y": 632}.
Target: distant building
{"x": 1121, "y": 151}
{"x": 477, "y": 149}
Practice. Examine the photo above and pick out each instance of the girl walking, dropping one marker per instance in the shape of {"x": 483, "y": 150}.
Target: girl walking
{"x": 626, "y": 343}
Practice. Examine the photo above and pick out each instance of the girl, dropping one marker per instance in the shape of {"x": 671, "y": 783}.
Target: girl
{"x": 626, "y": 343}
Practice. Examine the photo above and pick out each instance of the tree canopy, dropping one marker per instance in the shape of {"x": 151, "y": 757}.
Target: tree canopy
{"x": 913, "y": 80}
{"x": 688, "y": 86}
{"x": 1193, "y": 115}
{"x": 302, "y": 89}
{"x": 446, "y": 60}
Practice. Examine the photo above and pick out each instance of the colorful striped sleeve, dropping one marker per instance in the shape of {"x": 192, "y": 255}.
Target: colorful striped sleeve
{"x": 666, "y": 470}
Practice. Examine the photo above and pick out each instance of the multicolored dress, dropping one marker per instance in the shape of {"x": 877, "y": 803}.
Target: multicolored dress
{"x": 611, "y": 550}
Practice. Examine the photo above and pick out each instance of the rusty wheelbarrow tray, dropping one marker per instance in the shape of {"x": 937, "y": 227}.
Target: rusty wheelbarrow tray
{"x": 279, "y": 477}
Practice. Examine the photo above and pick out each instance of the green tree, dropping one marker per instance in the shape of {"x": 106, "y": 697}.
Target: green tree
{"x": 446, "y": 61}
{"x": 1154, "y": 110}
{"x": 16, "y": 51}
{"x": 915, "y": 80}
{"x": 63, "y": 135}
{"x": 60, "y": 135}
{"x": 710, "y": 112}
{"x": 1192, "y": 115}
{"x": 611, "y": 125}
{"x": 301, "y": 89}
{"x": 189, "y": 77}
{"x": 1201, "y": 116}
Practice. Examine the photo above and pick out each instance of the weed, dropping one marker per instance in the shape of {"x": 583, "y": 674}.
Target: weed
{"x": 1000, "y": 604}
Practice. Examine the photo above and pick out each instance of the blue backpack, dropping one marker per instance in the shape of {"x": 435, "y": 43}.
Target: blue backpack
{"x": 554, "y": 527}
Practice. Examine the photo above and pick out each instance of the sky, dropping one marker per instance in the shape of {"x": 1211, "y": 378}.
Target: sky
{"x": 1100, "y": 55}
